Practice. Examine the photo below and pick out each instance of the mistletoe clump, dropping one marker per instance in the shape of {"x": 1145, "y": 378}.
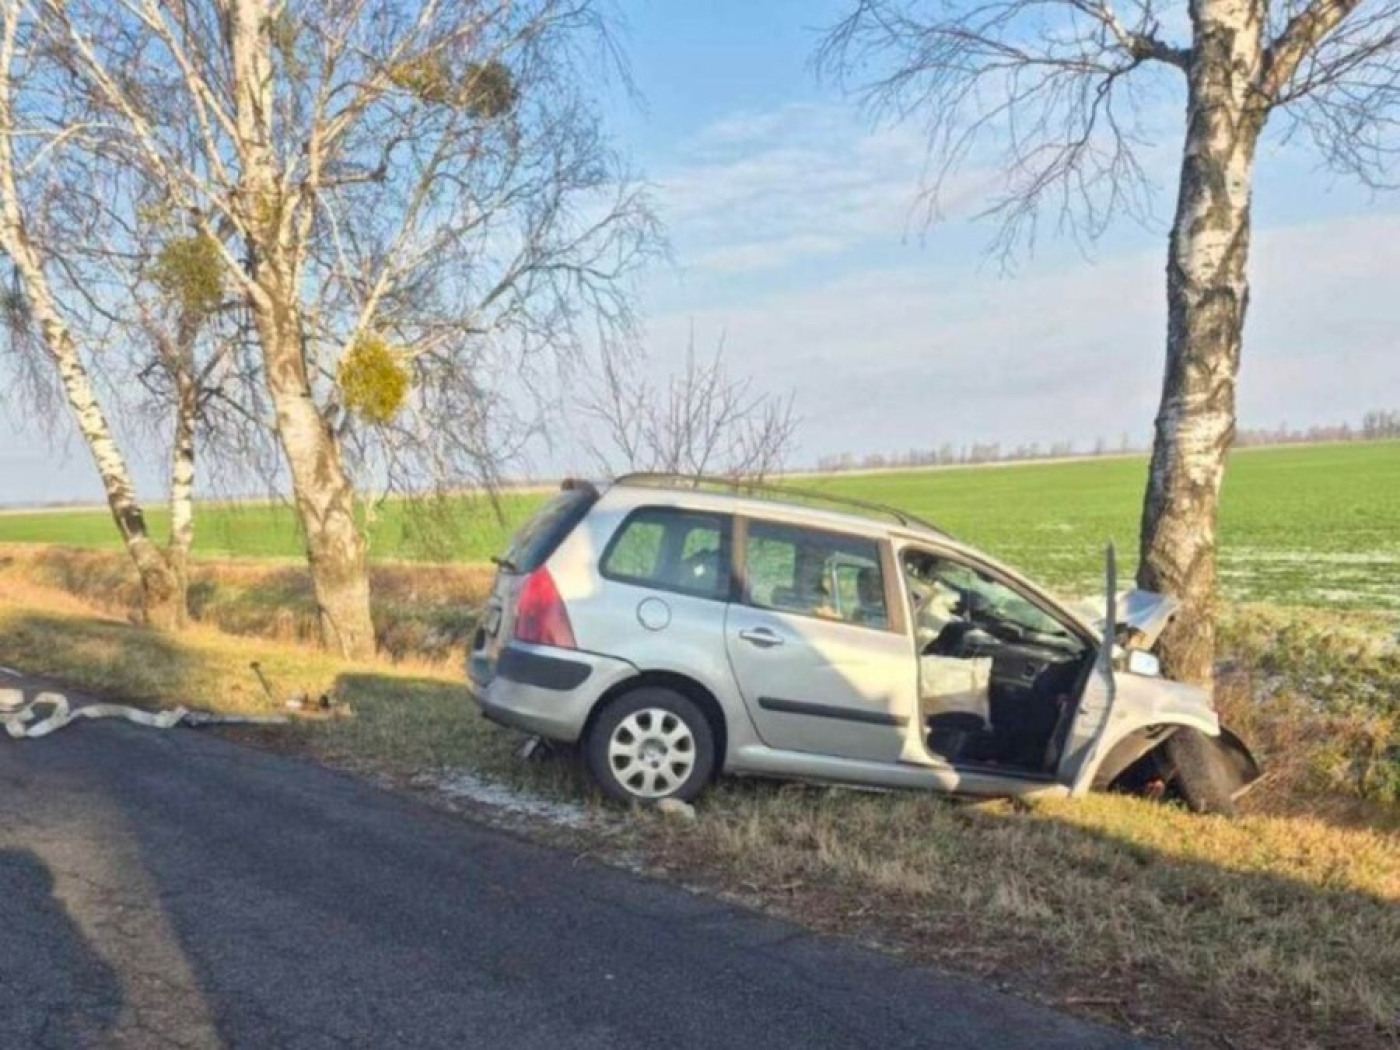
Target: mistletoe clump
{"x": 427, "y": 76}
{"x": 373, "y": 380}
{"x": 190, "y": 272}
{"x": 486, "y": 90}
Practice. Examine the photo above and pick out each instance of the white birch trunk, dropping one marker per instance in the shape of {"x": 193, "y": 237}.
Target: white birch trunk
{"x": 182, "y": 469}
{"x": 323, "y": 492}
{"x": 162, "y": 600}
{"x": 1207, "y": 294}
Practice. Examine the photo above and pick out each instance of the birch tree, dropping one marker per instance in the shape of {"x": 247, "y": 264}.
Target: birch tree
{"x": 412, "y": 199}
{"x": 1054, "y": 98}
{"x": 178, "y": 313}
{"x": 35, "y": 191}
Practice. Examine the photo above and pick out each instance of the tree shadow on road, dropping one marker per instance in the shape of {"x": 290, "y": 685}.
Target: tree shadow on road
{"x": 54, "y": 988}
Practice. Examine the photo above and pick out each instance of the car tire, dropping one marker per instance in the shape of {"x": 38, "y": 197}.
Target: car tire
{"x": 1202, "y": 776}
{"x": 651, "y": 744}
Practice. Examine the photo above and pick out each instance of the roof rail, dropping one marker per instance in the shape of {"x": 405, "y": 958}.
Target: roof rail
{"x": 772, "y": 490}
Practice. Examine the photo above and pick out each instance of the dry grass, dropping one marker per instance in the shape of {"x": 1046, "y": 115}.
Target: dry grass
{"x": 421, "y": 612}
{"x": 408, "y": 714}
{"x": 1281, "y": 928}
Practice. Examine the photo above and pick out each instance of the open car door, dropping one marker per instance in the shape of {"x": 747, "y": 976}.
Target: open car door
{"x": 1095, "y": 705}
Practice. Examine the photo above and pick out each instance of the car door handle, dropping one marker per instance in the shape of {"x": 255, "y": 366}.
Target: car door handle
{"x": 762, "y": 637}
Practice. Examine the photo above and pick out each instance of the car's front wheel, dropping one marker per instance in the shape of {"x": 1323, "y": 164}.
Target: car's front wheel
{"x": 649, "y": 744}
{"x": 1201, "y": 773}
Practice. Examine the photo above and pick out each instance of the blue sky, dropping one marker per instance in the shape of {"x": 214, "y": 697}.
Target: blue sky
{"x": 795, "y": 239}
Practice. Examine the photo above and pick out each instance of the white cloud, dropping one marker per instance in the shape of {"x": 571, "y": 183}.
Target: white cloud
{"x": 768, "y": 254}
{"x": 763, "y": 190}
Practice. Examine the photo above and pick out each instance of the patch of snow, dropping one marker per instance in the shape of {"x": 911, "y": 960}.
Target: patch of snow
{"x": 509, "y": 800}
{"x": 1378, "y": 599}
{"x": 674, "y": 807}
{"x": 1381, "y": 556}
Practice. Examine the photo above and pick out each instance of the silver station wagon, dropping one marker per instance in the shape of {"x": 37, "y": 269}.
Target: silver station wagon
{"x": 677, "y": 629}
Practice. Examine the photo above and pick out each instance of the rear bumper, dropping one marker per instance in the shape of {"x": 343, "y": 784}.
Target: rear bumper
{"x": 544, "y": 690}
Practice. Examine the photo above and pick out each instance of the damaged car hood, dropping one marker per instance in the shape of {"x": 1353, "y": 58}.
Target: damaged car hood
{"x": 1147, "y": 613}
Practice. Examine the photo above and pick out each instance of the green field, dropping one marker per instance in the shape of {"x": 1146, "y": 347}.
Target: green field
{"x": 1314, "y": 524}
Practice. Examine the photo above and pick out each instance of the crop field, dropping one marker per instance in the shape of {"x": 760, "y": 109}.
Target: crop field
{"x": 1303, "y": 525}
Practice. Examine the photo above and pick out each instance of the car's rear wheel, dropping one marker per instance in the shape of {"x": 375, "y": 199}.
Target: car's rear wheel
{"x": 649, "y": 744}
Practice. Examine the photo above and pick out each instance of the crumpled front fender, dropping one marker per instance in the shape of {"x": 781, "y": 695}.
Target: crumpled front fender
{"x": 1141, "y": 703}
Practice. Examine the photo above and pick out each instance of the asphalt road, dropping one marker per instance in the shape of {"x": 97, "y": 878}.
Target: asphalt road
{"x": 170, "y": 888}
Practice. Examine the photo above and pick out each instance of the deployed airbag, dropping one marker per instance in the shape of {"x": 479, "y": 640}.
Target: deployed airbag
{"x": 949, "y": 685}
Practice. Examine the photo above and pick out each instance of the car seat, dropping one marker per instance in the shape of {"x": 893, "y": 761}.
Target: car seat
{"x": 870, "y": 594}
{"x": 700, "y": 571}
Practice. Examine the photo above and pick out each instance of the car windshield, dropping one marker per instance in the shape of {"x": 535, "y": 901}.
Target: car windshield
{"x": 944, "y": 590}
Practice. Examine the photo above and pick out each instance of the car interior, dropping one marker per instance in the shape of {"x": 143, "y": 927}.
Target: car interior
{"x": 998, "y": 676}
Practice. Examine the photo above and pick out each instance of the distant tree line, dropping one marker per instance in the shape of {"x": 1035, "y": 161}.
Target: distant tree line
{"x": 1374, "y": 426}
{"x": 1377, "y": 425}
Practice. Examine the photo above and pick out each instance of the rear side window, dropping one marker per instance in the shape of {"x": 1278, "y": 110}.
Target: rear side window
{"x": 812, "y": 573}
{"x": 538, "y": 538}
{"x": 672, "y": 550}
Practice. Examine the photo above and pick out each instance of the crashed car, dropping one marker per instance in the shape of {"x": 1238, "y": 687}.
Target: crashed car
{"x": 677, "y": 629}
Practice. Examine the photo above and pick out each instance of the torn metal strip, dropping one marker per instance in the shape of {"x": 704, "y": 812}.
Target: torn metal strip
{"x": 49, "y": 712}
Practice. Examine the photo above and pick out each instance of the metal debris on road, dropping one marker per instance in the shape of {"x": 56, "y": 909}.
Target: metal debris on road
{"x": 48, "y": 712}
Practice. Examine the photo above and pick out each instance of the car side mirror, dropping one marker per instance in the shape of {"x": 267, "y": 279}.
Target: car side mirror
{"x": 1140, "y": 661}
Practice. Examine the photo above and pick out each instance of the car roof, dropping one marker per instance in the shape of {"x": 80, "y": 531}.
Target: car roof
{"x": 765, "y": 499}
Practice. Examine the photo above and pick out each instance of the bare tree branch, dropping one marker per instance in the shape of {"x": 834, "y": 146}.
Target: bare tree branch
{"x": 1032, "y": 97}
{"x": 703, "y": 422}
{"x": 1299, "y": 39}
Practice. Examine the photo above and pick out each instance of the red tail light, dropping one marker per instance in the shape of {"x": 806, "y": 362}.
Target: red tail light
{"x": 540, "y": 616}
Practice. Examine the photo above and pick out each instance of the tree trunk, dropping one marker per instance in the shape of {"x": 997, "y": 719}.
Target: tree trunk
{"x": 1207, "y": 294}
{"x": 323, "y": 493}
{"x": 160, "y": 597}
{"x": 182, "y": 474}
{"x": 325, "y": 504}
{"x": 162, "y": 600}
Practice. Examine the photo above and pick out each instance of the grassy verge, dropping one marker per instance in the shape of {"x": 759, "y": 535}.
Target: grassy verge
{"x": 1280, "y": 928}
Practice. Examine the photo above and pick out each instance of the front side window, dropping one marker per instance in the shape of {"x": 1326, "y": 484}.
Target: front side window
{"x": 672, "y": 550}
{"x": 823, "y": 574}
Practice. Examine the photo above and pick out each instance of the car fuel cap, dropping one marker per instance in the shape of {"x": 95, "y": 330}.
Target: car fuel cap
{"x": 654, "y": 614}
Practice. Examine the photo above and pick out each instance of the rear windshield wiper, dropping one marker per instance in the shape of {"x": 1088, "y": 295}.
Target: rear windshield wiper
{"x": 504, "y": 563}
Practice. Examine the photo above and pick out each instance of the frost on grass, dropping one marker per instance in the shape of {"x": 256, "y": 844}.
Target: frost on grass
{"x": 1321, "y": 578}
{"x": 507, "y": 800}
